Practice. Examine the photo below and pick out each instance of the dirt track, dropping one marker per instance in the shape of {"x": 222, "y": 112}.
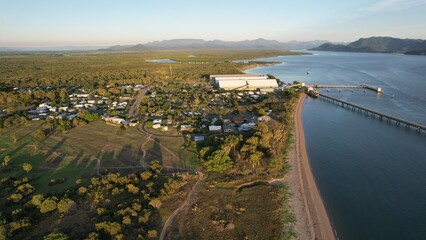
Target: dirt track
{"x": 183, "y": 206}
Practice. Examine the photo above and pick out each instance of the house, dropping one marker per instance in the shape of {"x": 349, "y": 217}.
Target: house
{"x": 214, "y": 120}
{"x": 61, "y": 116}
{"x": 44, "y": 105}
{"x": 238, "y": 119}
{"x": 214, "y": 128}
{"x": 199, "y": 138}
{"x": 253, "y": 119}
{"x": 63, "y": 109}
{"x": 227, "y": 121}
{"x": 185, "y": 127}
{"x": 246, "y": 127}
{"x": 41, "y": 109}
{"x": 228, "y": 129}
{"x": 71, "y": 116}
{"x": 133, "y": 123}
{"x": 157, "y": 121}
{"x": 115, "y": 120}
{"x": 93, "y": 108}
{"x": 82, "y": 95}
{"x": 164, "y": 128}
{"x": 264, "y": 119}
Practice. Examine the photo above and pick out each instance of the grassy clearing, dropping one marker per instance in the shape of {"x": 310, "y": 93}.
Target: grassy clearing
{"x": 220, "y": 213}
{"x": 74, "y": 155}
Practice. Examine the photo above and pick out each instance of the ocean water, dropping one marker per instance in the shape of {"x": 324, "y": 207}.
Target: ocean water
{"x": 371, "y": 174}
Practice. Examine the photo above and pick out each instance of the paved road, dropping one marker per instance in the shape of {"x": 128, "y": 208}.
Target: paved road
{"x": 138, "y": 99}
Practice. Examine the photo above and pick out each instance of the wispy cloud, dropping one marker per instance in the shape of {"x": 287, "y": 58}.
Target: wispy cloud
{"x": 392, "y": 5}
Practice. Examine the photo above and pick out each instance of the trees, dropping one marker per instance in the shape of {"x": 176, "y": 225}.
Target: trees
{"x": 5, "y": 162}
{"x": 87, "y": 116}
{"x": 56, "y": 236}
{"x": 14, "y": 138}
{"x": 27, "y": 167}
{"x": 219, "y": 161}
{"x": 112, "y": 228}
{"x": 63, "y": 94}
{"x": 156, "y": 203}
{"x": 48, "y": 205}
{"x": 3, "y": 231}
{"x": 255, "y": 157}
{"x": 132, "y": 188}
{"x": 15, "y": 197}
{"x": 146, "y": 175}
{"x": 156, "y": 167}
{"x": 37, "y": 199}
{"x": 39, "y": 134}
{"x": 65, "y": 205}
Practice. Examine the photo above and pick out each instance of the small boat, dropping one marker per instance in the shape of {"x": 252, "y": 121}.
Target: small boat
{"x": 307, "y": 73}
{"x": 393, "y": 96}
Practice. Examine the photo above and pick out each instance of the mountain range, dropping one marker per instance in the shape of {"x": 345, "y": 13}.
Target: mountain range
{"x": 218, "y": 44}
{"x": 378, "y": 45}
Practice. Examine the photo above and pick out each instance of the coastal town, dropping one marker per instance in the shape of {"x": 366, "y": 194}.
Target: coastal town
{"x": 226, "y": 124}
{"x": 212, "y": 107}
{"x": 205, "y": 120}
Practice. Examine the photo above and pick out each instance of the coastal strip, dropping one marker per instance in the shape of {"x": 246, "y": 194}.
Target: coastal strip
{"x": 308, "y": 207}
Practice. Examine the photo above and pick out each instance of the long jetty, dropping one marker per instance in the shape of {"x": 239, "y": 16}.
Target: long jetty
{"x": 373, "y": 113}
{"x": 379, "y": 90}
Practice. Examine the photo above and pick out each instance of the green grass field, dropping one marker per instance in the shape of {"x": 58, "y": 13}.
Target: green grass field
{"x": 74, "y": 155}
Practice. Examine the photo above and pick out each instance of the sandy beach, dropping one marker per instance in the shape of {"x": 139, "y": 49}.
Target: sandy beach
{"x": 312, "y": 218}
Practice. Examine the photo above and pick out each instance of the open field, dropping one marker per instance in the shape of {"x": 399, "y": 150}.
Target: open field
{"x": 74, "y": 155}
{"x": 224, "y": 213}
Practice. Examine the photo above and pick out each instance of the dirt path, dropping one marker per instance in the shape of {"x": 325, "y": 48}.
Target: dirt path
{"x": 312, "y": 218}
{"x": 183, "y": 206}
{"x": 142, "y": 161}
{"x": 98, "y": 163}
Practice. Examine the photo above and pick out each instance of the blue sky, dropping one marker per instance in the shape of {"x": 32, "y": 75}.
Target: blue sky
{"x": 109, "y": 22}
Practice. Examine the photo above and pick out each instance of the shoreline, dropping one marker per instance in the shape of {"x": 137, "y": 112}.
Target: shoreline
{"x": 255, "y": 65}
{"x": 312, "y": 218}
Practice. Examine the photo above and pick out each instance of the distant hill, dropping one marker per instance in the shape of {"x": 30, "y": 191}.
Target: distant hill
{"x": 378, "y": 45}
{"x": 218, "y": 44}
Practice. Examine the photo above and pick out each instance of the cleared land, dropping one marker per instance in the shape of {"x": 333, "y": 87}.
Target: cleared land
{"x": 74, "y": 155}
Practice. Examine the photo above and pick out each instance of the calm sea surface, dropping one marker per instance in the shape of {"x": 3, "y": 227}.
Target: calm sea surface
{"x": 371, "y": 174}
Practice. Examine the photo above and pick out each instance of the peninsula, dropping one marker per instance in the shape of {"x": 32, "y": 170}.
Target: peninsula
{"x": 378, "y": 45}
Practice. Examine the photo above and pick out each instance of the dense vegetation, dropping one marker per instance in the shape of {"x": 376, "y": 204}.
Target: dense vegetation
{"x": 98, "y": 69}
{"x": 113, "y": 206}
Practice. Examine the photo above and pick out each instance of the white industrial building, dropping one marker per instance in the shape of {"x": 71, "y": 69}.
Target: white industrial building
{"x": 232, "y": 77}
{"x": 244, "y": 82}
